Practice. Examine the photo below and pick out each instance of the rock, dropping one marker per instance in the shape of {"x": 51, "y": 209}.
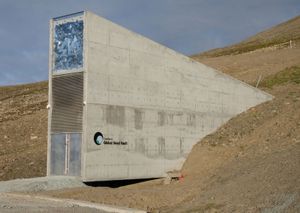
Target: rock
{"x": 167, "y": 180}
{"x": 33, "y": 137}
{"x": 6, "y": 206}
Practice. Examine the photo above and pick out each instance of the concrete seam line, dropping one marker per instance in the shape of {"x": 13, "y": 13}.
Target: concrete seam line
{"x": 103, "y": 207}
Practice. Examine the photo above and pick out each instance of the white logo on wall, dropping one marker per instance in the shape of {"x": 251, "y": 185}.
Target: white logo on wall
{"x": 98, "y": 138}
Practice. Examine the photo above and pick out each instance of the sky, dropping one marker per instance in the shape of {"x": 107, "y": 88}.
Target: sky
{"x": 187, "y": 26}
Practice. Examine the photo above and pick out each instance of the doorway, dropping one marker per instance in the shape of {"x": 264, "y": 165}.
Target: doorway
{"x": 65, "y": 158}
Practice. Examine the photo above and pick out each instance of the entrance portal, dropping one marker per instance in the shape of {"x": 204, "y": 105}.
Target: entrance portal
{"x": 66, "y": 154}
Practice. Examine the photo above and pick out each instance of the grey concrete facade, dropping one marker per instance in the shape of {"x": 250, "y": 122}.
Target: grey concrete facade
{"x": 150, "y": 103}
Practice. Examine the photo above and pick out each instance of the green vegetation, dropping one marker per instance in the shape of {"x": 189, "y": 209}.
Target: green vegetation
{"x": 288, "y": 75}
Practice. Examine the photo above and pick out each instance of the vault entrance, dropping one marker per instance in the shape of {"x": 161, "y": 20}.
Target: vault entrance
{"x": 66, "y": 125}
{"x": 66, "y": 154}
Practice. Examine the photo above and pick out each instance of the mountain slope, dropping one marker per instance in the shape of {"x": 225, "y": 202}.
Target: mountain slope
{"x": 279, "y": 34}
{"x": 23, "y": 130}
{"x": 259, "y": 56}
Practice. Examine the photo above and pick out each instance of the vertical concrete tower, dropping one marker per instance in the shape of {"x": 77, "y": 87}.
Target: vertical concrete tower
{"x": 125, "y": 107}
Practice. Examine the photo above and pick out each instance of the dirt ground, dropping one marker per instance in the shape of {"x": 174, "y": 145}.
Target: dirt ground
{"x": 23, "y": 131}
{"x": 250, "y": 66}
{"x": 14, "y": 203}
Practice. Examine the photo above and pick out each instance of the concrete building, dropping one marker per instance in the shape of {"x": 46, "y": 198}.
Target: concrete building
{"x": 124, "y": 107}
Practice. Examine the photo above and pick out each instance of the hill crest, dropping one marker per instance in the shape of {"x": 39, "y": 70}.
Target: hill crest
{"x": 280, "y": 34}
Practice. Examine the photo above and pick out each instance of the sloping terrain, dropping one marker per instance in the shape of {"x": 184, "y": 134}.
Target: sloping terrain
{"x": 23, "y": 131}
{"x": 279, "y": 35}
{"x": 259, "y": 56}
{"x": 256, "y": 156}
{"x": 250, "y": 66}
{"x": 251, "y": 164}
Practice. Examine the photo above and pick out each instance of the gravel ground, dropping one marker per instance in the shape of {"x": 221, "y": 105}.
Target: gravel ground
{"x": 21, "y": 204}
{"x": 17, "y": 203}
{"x": 40, "y": 184}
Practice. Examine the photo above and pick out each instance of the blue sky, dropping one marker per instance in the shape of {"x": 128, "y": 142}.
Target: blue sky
{"x": 187, "y": 26}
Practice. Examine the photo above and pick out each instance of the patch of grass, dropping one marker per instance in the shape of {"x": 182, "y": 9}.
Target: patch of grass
{"x": 288, "y": 75}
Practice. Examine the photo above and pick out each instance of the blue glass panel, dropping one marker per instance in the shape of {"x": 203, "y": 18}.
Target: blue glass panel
{"x": 68, "y": 45}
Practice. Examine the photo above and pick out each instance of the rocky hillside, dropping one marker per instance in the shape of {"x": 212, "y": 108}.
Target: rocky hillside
{"x": 23, "y": 130}
{"x": 259, "y": 56}
{"x": 279, "y": 35}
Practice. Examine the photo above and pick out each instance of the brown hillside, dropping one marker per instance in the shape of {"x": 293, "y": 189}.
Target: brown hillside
{"x": 250, "y": 66}
{"x": 280, "y": 34}
{"x": 23, "y": 130}
{"x": 259, "y": 56}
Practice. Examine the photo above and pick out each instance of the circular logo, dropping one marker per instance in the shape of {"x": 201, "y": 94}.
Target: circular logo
{"x": 98, "y": 138}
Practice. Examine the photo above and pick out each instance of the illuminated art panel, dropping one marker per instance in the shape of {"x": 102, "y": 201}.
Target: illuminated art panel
{"x": 68, "y": 45}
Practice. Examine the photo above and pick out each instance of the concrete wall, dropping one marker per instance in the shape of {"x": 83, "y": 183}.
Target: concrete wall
{"x": 150, "y": 102}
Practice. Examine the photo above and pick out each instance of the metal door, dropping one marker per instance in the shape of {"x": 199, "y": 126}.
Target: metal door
{"x": 65, "y": 154}
{"x": 75, "y": 154}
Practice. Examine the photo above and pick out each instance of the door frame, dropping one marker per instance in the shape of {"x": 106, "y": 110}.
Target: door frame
{"x": 67, "y": 144}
